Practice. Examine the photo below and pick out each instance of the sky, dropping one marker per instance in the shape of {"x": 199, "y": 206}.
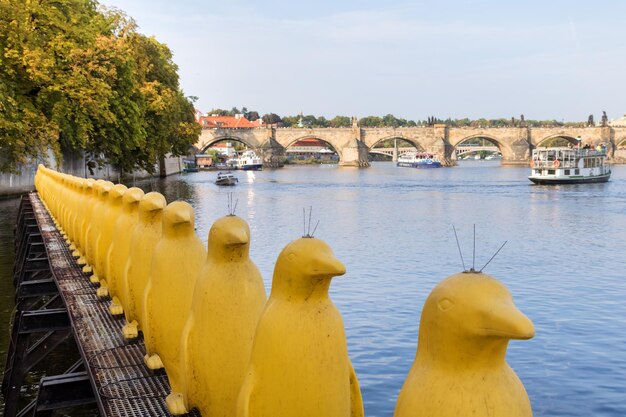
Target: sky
{"x": 546, "y": 59}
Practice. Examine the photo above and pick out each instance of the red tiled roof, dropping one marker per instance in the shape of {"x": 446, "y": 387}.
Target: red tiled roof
{"x": 309, "y": 142}
{"x": 226, "y": 122}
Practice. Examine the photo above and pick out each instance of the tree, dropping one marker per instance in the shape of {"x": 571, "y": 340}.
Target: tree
{"x": 371, "y": 121}
{"x": 290, "y": 121}
{"x": 271, "y": 118}
{"x": 340, "y": 121}
{"x": 76, "y": 76}
{"x": 48, "y": 92}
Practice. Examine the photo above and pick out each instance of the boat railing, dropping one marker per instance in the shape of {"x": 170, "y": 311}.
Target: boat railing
{"x": 566, "y": 164}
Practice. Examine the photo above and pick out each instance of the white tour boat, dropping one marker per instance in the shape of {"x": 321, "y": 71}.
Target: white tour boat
{"x": 418, "y": 160}
{"x": 248, "y": 161}
{"x": 568, "y": 166}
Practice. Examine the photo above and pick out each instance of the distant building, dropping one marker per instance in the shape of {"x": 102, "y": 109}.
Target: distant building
{"x": 228, "y": 122}
{"x": 225, "y": 148}
{"x": 204, "y": 161}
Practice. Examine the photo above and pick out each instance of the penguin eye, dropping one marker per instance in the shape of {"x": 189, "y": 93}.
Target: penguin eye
{"x": 445, "y": 304}
{"x": 291, "y": 256}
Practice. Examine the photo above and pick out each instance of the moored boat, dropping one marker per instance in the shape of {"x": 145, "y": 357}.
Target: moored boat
{"x": 248, "y": 161}
{"x": 418, "y": 160}
{"x": 189, "y": 166}
{"x": 568, "y": 166}
{"x": 226, "y": 178}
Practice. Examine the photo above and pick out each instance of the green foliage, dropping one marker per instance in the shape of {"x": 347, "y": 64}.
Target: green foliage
{"x": 76, "y": 76}
{"x": 340, "y": 121}
{"x": 271, "y": 118}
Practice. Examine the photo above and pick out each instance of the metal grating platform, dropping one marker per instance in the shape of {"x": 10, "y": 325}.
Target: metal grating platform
{"x": 124, "y": 385}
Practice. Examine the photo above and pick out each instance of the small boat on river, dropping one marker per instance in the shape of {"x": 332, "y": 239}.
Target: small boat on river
{"x": 226, "y": 178}
{"x": 568, "y": 166}
{"x": 418, "y": 160}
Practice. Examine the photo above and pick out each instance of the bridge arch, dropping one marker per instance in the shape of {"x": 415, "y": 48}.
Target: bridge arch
{"x": 458, "y": 150}
{"x": 490, "y": 138}
{"x": 223, "y": 138}
{"x": 558, "y": 139}
{"x": 389, "y": 150}
{"x": 330, "y": 144}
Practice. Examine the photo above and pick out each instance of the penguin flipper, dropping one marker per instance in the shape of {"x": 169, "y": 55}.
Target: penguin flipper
{"x": 243, "y": 401}
{"x": 355, "y": 394}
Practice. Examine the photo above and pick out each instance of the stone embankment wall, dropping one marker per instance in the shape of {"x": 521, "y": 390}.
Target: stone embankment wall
{"x": 13, "y": 184}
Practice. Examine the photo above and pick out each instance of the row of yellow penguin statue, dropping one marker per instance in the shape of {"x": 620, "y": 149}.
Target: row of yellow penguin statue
{"x": 229, "y": 351}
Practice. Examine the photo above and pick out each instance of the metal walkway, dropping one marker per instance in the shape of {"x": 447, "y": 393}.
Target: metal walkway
{"x": 121, "y": 384}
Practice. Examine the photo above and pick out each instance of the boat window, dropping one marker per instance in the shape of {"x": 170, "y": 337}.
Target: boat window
{"x": 550, "y": 172}
{"x": 567, "y": 172}
{"x": 538, "y": 171}
{"x": 577, "y": 171}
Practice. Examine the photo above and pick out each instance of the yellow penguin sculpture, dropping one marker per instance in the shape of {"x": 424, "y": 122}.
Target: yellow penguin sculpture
{"x": 120, "y": 248}
{"x": 299, "y": 365}
{"x": 87, "y": 202}
{"x": 93, "y": 231}
{"x": 145, "y": 236}
{"x": 79, "y": 208}
{"x": 227, "y": 303}
{"x": 86, "y": 229}
{"x": 176, "y": 262}
{"x": 111, "y": 212}
{"x": 460, "y": 367}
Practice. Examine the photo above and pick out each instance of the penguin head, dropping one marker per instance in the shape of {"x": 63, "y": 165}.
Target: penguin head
{"x": 116, "y": 193}
{"x": 132, "y": 197}
{"x": 104, "y": 188}
{"x": 178, "y": 219}
{"x": 229, "y": 239}
{"x": 305, "y": 266}
{"x": 88, "y": 187}
{"x": 469, "y": 311}
{"x": 152, "y": 203}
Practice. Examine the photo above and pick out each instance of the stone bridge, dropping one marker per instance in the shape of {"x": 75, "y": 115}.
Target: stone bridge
{"x": 353, "y": 144}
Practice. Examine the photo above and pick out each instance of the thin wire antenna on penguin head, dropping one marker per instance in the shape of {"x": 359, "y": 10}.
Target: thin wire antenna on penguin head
{"x": 307, "y": 230}
{"x": 458, "y": 245}
{"x": 474, "y": 253}
{"x": 494, "y": 255}
{"x": 232, "y": 208}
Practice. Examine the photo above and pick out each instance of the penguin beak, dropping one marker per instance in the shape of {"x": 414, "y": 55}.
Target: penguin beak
{"x": 508, "y": 322}
{"x": 181, "y": 216}
{"x": 237, "y": 237}
{"x": 329, "y": 266}
{"x": 152, "y": 205}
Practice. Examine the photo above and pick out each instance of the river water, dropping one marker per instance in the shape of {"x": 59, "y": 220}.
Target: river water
{"x": 392, "y": 228}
